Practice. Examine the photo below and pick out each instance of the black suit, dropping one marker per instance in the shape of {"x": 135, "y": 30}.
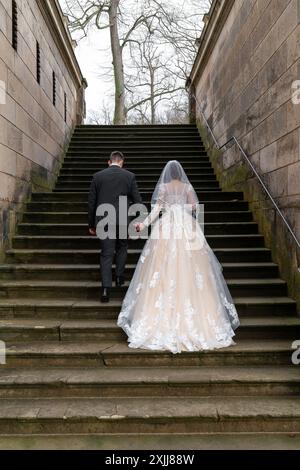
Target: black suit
{"x": 106, "y": 188}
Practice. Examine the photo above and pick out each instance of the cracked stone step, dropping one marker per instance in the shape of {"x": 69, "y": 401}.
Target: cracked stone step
{"x": 91, "y": 290}
{"x": 22, "y": 330}
{"x": 117, "y": 354}
{"x": 139, "y": 382}
{"x": 148, "y": 415}
{"x": 89, "y": 309}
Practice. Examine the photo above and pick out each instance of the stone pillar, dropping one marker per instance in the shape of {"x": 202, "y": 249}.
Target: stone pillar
{"x": 81, "y": 104}
{"x": 192, "y": 101}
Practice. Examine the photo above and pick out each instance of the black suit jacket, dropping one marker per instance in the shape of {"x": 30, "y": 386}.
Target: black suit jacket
{"x": 106, "y": 188}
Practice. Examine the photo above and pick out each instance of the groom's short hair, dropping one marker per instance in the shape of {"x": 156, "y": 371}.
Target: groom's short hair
{"x": 116, "y": 156}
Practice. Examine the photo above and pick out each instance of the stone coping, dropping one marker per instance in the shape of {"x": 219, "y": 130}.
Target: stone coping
{"x": 56, "y": 20}
{"x": 214, "y": 22}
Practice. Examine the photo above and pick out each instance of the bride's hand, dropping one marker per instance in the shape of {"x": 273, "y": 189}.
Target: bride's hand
{"x": 139, "y": 227}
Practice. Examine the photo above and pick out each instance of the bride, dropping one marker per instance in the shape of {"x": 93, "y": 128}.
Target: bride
{"x": 178, "y": 299}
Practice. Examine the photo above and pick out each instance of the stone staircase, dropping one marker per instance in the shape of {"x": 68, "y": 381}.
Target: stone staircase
{"x": 70, "y": 376}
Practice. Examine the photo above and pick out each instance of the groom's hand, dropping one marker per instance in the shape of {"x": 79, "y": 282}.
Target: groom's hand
{"x": 92, "y": 231}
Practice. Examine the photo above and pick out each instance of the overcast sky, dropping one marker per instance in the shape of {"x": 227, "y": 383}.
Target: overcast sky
{"x": 99, "y": 89}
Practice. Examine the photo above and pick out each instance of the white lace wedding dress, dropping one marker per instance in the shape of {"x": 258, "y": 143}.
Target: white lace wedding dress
{"x": 178, "y": 299}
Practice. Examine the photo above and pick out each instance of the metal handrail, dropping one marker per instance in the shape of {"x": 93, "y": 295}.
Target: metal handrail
{"x": 234, "y": 139}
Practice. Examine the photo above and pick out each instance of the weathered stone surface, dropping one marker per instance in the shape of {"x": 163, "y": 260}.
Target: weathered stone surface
{"x": 245, "y": 89}
{"x": 69, "y": 369}
{"x": 29, "y": 123}
{"x": 226, "y": 441}
{"x": 149, "y": 415}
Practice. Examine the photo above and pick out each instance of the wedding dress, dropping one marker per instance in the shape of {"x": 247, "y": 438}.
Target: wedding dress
{"x": 178, "y": 299}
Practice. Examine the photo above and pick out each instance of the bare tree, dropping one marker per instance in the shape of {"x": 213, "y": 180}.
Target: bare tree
{"x": 153, "y": 46}
{"x": 101, "y": 116}
{"x": 178, "y": 27}
{"x": 150, "y": 82}
{"x": 176, "y": 112}
{"x": 161, "y": 59}
{"x": 108, "y": 14}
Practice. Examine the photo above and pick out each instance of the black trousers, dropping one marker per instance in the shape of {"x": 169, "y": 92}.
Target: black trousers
{"x": 113, "y": 248}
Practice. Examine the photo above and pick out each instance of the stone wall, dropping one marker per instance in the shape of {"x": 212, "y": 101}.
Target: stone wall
{"x": 33, "y": 132}
{"x": 246, "y": 68}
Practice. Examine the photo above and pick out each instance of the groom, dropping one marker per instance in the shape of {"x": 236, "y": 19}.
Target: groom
{"x": 106, "y": 188}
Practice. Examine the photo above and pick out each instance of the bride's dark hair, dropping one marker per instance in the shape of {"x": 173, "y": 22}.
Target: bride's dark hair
{"x": 174, "y": 172}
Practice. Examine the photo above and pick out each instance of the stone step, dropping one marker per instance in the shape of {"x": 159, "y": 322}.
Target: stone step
{"x": 119, "y": 138}
{"x": 142, "y": 382}
{"x": 61, "y": 309}
{"x": 144, "y": 133}
{"x": 153, "y": 163}
{"x": 90, "y": 272}
{"x": 141, "y": 180}
{"x": 148, "y": 415}
{"x": 145, "y": 194}
{"x": 144, "y": 187}
{"x": 82, "y": 217}
{"x": 75, "y": 207}
{"x": 63, "y": 344}
{"x": 198, "y": 158}
{"x": 210, "y": 228}
{"x": 75, "y": 257}
{"x": 160, "y": 156}
{"x": 135, "y": 166}
{"x": 134, "y": 127}
{"x": 217, "y": 196}
{"x": 132, "y": 132}
{"x": 27, "y": 330}
{"x": 153, "y": 175}
{"x": 184, "y": 441}
{"x": 80, "y": 243}
{"x": 128, "y": 129}
{"x": 91, "y": 290}
{"x": 117, "y": 354}
{"x": 137, "y": 140}
{"x": 137, "y": 147}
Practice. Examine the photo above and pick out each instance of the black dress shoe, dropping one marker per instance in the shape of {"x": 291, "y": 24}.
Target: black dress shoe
{"x": 105, "y": 295}
{"x": 120, "y": 281}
